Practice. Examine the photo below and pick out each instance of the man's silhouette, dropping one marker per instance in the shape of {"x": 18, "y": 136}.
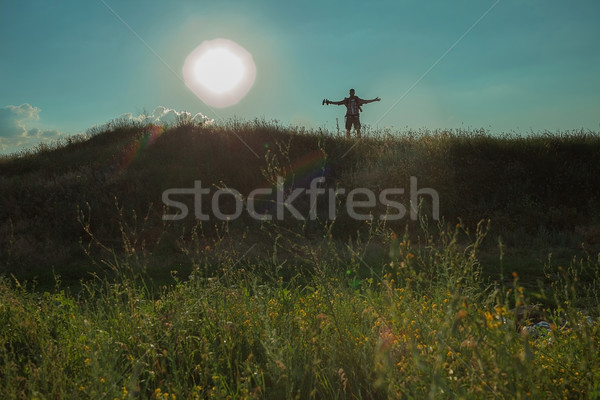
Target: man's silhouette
{"x": 353, "y": 108}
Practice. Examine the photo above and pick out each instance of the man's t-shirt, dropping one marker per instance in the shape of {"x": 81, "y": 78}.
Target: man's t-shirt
{"x": 353, "y": 106}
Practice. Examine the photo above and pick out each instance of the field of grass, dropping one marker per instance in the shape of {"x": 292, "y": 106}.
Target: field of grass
{"x": 101, "y": 298}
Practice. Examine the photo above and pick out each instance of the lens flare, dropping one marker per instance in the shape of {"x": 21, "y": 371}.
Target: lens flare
{"x": 220, "y": 72}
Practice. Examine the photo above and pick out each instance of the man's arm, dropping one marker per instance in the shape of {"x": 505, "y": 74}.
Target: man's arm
{"x": 337, "y": 103}
{"x": 370, "y": 101}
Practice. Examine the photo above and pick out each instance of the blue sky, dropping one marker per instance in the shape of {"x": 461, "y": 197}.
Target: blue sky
{"x": 528, "y": 65}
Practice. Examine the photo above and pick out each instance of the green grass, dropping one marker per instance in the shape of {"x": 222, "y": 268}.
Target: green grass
{"x": 540, "y": 191}
{"x": 100, "y": 298}
{"x": 425, "y": 324}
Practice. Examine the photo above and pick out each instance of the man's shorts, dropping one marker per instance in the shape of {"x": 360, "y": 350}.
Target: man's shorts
{"x": 352, "y": 120}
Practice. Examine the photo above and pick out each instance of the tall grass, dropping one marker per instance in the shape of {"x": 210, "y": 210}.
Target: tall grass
{"x": 539, "y": 190}
{"x": 315, "y": 322}
{"x": 101, "y": 298}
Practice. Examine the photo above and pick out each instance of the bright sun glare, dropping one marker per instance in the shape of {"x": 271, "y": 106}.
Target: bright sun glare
{"x": 220, "y": 72}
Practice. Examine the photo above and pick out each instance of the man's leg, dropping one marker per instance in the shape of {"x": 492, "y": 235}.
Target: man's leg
{"x": 348, "y": 126}
{"x": 357, "y": 127}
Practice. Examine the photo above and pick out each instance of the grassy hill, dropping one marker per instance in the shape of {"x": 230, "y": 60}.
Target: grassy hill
{"x": 102, "y": 297}
{"x": 540, "y": 191}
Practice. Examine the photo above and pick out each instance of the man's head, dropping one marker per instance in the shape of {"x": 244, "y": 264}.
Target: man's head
{"x": 351, "y": 92}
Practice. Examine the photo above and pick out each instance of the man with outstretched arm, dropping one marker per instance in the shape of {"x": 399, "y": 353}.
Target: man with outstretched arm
{"x": 353, "y": 108}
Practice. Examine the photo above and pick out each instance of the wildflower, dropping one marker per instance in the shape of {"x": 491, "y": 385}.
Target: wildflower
{"x": 491, "y": 321}
{"x": 488, "y": 316}
{"x": 462, "y": 313}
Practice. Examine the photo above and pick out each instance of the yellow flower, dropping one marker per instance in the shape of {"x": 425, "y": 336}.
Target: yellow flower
{"x": 488, "y": 316}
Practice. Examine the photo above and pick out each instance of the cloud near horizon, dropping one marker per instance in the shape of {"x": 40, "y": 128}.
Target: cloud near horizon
{"x": 167, "y": 116}
{"x": 14, "y": 133}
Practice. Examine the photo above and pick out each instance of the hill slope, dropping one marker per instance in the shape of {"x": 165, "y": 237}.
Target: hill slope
{"x": 110, "y": 184}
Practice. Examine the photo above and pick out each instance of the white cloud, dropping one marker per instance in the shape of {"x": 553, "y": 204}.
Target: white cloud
{"x": 13, "y": 118}
{"x": 14, "y": 133}
{"x": 17, "y": 134}
{"x": 167, "y": 116}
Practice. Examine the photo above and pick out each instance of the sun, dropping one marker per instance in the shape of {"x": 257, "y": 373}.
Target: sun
{"x": 220, "y": 72}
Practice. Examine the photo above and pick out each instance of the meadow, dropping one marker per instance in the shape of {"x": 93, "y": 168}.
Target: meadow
{"x": 102, "y": 298}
